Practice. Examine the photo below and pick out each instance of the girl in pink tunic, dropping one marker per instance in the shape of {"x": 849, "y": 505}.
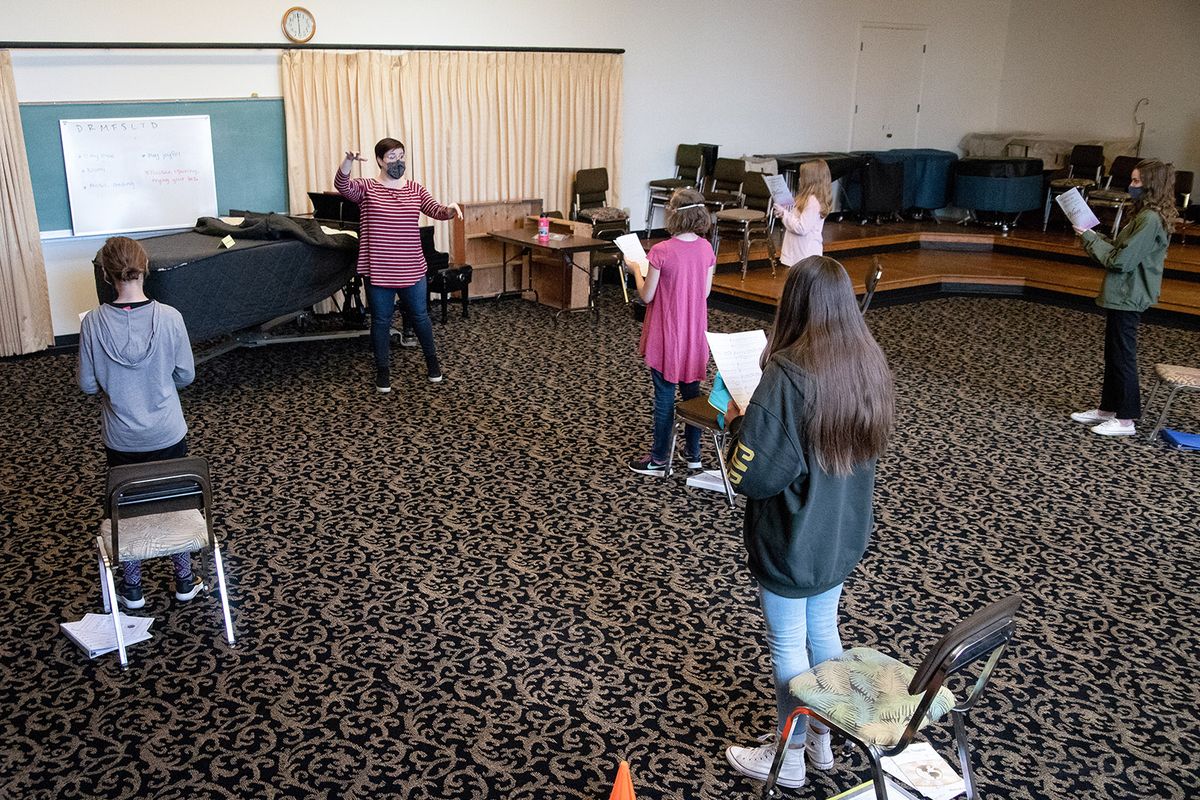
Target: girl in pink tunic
{"x": 675, "y": 290}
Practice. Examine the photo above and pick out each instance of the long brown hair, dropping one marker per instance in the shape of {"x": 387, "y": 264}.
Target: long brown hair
{"x": 850, "y": 404}
{"x": 1158, "y": 191}
{"x": 813, "y": 180}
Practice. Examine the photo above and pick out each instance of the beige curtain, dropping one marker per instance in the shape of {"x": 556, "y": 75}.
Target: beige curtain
{"x": 478, "y": 126}
{"x": 25, "y": 324}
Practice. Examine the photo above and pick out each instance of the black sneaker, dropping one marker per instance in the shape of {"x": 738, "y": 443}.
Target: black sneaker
{"x": 187, "y": 588}
{"x": 437, "y": 378}
{"x": 409, "y": 339}
{"x": 648, "y": 466}
{"x": 695, "y": 463}
{"x": 383, "y": 379}
{"x": 130, "y": 596}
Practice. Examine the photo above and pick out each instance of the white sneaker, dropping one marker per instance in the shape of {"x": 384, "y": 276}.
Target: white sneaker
{"x": 755, "y": 762}
{"x": 819, "y": 748}
{"x": 1114, "y": 427}
{"x": 1092, "y": 417}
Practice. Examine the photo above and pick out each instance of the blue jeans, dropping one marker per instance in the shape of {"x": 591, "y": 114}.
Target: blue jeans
{"x": 664, "y": 418}
{"x": 414, "y": 306}
{"x": 801, "y": 631}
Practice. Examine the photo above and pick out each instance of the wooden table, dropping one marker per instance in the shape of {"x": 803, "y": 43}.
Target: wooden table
{"x": 565, "y": 247}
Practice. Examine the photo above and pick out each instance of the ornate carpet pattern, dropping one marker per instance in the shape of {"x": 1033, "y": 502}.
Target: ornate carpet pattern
{"x": 459, "y": 591}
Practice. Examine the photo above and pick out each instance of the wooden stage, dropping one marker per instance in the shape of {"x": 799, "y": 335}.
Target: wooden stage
{"x": 924, "y": 258}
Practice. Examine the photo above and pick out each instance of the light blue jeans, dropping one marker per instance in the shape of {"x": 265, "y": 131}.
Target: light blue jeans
{"x": 801, "y": 631}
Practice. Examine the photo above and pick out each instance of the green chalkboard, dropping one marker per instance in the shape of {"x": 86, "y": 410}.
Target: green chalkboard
{"x": 249, "y": 150}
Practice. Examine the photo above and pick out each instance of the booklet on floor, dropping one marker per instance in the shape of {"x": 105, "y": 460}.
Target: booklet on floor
{"x": 95, "y": 635}
{"x": 920, "y": 766}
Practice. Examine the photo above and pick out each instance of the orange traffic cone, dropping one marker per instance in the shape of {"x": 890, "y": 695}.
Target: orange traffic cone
{"x": 623, "y": 785}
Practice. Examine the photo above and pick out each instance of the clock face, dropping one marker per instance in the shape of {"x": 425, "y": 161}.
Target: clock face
{"x": 299, "y": 24}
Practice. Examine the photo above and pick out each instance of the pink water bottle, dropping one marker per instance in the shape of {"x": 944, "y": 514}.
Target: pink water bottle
{"x": 543, "y": 229}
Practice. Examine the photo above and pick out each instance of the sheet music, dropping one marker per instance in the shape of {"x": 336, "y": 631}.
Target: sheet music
{"x": 780, "y": 193}
{"x": 1077, "y": 209}
{"x": 736, "y": 355}
{"x": 631, "y": 248}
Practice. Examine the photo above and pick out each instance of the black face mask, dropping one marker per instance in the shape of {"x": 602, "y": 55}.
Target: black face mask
{"x": 1134, "y": 192}
{"x": 395, "y": 170}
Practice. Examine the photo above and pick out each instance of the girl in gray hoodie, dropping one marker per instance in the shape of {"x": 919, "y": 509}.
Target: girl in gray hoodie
{"x": 135, "y": 354}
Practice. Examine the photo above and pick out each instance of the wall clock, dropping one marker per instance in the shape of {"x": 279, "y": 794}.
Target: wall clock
{"x": 299, "y": 24}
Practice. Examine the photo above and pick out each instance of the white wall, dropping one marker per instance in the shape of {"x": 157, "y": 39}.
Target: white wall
{"x": 757, "y": 76}
{"x": 1078, "y": 67}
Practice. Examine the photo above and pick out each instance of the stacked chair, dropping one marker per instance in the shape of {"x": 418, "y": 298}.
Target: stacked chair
{"x": 1113, "y": 195}
{"x": 724, "y": 188}
{"x": 689, "y": 161}
{"x": 753, "y": 221}
{"x": 1084, "y": 168}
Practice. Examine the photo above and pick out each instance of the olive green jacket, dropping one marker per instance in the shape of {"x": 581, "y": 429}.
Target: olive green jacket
{"x": 1133, "y": 262}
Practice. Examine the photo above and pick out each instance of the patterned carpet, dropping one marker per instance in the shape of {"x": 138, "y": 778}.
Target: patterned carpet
{"x": 459, "y": 591}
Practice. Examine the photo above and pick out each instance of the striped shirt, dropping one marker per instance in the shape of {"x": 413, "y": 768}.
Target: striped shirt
{"x": 389, "y": 242}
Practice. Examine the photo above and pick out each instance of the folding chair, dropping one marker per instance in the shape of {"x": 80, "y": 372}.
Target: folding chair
{"x": 879, "y": 703}
{"x": 1179, "y": 379}
{"x": 698, "y": 413}
{"x": 157, "y": 509}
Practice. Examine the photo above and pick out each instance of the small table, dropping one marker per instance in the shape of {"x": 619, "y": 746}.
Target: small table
{"x": 525, "y": 240}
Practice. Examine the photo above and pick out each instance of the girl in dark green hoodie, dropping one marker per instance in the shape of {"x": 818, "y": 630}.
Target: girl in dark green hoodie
{"x": 1133, "y": 264}
{"x": 803, "y": 453}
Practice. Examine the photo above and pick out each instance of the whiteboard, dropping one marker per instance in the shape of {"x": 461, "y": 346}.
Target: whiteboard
{"x": 138, "y": 173}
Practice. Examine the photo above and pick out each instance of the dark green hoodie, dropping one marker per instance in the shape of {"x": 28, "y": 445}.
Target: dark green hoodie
{"x": 805, "y": 528}
{"x": 1133, "y": 262}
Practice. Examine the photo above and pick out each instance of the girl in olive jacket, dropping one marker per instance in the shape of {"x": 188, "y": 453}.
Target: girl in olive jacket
{"x": 803, "y": 453}
{"x": 1133, "y": 264}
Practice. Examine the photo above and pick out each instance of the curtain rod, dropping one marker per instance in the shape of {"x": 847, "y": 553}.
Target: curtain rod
{"x": 289, "y": 46}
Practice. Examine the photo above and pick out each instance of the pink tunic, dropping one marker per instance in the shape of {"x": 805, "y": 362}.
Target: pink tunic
{"x": 803, "y": 232}
{"x": 677, "y": 318}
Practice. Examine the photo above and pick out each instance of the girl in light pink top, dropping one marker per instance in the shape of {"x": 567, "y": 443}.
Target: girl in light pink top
{"x": 675, "y": 291}
{"x": 804, "y": 222}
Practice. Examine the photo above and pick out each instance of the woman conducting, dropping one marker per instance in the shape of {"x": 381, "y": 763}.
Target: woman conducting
{"x": 389, "y": 251}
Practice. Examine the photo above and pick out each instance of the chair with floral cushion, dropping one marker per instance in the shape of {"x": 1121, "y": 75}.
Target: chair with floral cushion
{"x": 879, "y": 703}
{"x": 589, "y": 203}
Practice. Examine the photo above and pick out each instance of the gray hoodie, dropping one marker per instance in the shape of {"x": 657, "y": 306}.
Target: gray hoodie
{"x": 136, "y": 358}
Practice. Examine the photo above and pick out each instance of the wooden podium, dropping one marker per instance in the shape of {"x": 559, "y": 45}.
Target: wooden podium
{"x": 470, "y": 244}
